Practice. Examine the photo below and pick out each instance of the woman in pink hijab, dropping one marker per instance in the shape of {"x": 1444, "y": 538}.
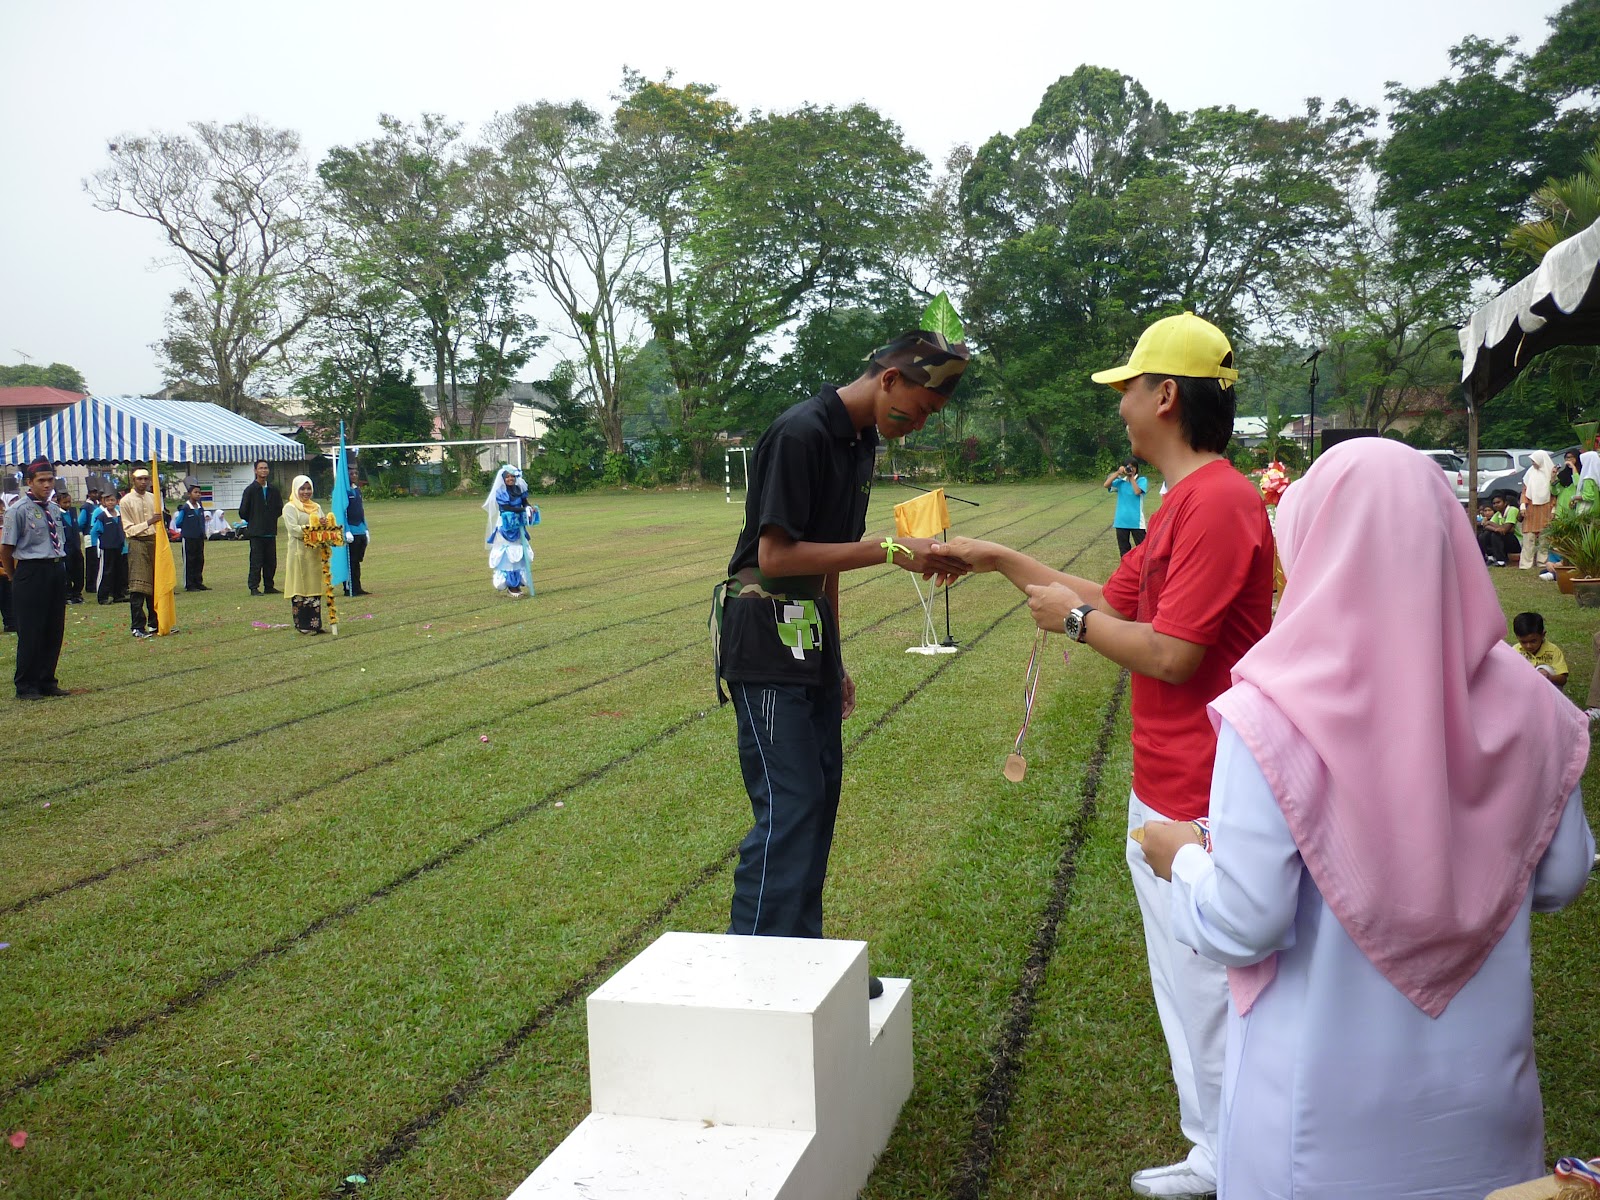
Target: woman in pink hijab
{"x": 1380, "y": 835}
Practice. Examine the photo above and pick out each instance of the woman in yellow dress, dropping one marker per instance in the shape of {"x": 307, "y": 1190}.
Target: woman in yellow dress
{"x": 303, "y": 580}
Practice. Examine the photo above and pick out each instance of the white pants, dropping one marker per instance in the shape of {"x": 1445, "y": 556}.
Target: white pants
{"x": 1192, "y": 1001}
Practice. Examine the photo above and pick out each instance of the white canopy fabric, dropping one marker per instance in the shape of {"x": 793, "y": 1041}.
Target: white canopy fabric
{"x": 135, "y": 429}
{"x": 1558, "y": 304}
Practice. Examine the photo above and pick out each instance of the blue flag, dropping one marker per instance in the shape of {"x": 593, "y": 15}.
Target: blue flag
{"x": 339, "y": 559}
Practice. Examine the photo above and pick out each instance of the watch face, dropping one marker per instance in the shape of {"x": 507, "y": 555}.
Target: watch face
{"x": 1075, "y": 625}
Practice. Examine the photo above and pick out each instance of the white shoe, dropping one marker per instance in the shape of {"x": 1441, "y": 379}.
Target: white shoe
{"x": 1178, "y": 1180}
{"x": 1547, "y": 576}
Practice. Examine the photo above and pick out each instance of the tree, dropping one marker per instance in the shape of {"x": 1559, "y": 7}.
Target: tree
{"x": 410, "y": 216}
{"x": 581, "y": 237}
{"x": 1567, "y": 373}
{"x": 56, "y": 375}
{"x": 1385, "y": 320}
{"x": 1071, "y": 230}
{"x": 1569, "y": 206}
{"x": 359, "y": 344}
{"x": 232, "y": 202}
{"x": 571, "y": 448}
{"x": 1463, "y": 156}
{"x": 792, "y": 212}
{"x": 1254, "y": 192}
{"x": 500, "y": 341}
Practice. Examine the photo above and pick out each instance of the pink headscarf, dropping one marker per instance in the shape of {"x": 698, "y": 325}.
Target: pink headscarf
{"x": 1422, "y": 766}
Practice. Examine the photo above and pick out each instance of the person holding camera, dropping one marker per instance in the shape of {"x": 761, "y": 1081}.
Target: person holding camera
{"x": 1130, "y": 487}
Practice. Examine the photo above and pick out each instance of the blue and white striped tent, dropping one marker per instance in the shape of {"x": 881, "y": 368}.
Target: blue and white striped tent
{"x": 110, "y": 429}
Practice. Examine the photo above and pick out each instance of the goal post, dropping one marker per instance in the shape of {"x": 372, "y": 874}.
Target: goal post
{"x": 727, "y": 470}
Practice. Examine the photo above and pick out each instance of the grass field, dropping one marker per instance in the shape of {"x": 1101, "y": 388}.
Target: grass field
{"x": 277, "y": 914}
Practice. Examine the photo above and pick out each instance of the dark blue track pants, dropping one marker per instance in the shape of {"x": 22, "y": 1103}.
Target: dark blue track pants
{"x": 792, "y": 756}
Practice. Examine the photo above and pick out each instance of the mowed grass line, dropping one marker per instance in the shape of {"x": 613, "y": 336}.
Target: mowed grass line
{"x": 916, "y": 846}
{"x": 356, "y": 1033}
{"x": 61, "y": 822}
{"x": 168, "y": 909}
{"x": 740, "y": 822}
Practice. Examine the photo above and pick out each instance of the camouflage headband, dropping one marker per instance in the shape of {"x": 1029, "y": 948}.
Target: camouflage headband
{"x": 926, "y": 359}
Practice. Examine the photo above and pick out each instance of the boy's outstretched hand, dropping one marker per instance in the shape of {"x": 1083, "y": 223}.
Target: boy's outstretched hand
{"x": 930, "y": 560}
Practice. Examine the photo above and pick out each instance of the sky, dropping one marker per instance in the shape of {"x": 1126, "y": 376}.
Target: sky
{"x": 81, "y": 287}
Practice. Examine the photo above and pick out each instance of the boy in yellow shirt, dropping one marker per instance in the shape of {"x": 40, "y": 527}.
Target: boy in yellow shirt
{"x": 1544, "y": 654}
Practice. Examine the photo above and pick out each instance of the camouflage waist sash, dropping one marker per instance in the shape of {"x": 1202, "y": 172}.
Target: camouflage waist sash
{"x": 802, "y": 633}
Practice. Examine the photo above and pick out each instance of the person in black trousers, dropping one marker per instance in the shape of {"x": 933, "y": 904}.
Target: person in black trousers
{"x": 91, "y": 552}
{"x": 33, "y": 550}
{"x": 775, "y": 618}
{"x": 259, "y": 508}
{"x": 356, "y": 527}
{"x": 111, "y": 584}
{"x": 189, "y": 522}
{"x": 74, "y": 528}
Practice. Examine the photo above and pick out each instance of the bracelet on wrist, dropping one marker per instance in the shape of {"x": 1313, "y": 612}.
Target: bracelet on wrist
{"x": 890, "y": 546}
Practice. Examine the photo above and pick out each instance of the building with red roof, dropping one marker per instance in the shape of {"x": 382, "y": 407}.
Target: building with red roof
{"x": 21, "y": 408}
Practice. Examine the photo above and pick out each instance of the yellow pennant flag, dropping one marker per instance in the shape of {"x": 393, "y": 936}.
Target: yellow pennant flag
{"x": 166, "y": 573}
{"x": 925, "y": 517}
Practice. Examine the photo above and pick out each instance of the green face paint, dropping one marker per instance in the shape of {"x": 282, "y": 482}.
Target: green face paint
{"x": 896, "y": 415}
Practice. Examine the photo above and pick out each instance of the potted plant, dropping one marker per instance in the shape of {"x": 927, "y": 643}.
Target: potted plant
{"x": 1576, "y": 538}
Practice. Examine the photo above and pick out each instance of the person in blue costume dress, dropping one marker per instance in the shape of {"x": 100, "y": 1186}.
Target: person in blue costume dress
{"x": 510, "y": 515}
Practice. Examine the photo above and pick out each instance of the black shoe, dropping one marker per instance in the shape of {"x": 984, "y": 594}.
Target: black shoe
{"x": 271, "y": 592}
{"x": 199, "y": 587}
{"x": 255, "y": 591}
{"x": 29, "y": 694}
{"x": 874, "y": 987}
{"x": 74, "y": 599}
{"x": 55, "y": 689}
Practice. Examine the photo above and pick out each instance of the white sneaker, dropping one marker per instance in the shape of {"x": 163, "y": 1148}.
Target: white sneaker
{"x": 1178, "y": 1180}
{"x": 1547, "y": 576}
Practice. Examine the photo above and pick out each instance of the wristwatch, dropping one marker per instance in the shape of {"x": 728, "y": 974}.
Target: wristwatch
{"x": 1076, "y": 624}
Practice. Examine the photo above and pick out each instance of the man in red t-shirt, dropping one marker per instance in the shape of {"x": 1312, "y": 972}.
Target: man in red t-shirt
{"x": 1179, "y": 611}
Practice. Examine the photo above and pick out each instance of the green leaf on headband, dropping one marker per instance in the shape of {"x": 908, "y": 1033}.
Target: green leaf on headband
{"x": 941, "y": 317}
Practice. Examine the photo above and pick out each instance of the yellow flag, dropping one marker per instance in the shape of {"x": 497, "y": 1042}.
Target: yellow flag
{"x": 166, "y": 573}
{"x": 926, "y": 516}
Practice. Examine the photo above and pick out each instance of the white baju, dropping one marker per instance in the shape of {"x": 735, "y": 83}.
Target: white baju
{"x": 1336, "y": 1086}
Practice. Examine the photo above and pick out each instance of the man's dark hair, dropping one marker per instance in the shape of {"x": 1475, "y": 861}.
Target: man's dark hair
{"x": 1525, "y": 623}
{"x": 1205, "y": 413}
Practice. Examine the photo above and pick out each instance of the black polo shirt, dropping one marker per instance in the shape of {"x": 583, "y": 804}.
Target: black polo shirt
{"x": 811, "y": 476}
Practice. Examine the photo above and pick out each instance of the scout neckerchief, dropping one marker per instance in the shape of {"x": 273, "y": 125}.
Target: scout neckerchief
{"x": 1017, "y": 766}
{"x": 50, "y": 524}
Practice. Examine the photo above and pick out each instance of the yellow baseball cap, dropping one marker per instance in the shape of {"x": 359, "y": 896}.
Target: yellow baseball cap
{"x": 1181, "y": 345}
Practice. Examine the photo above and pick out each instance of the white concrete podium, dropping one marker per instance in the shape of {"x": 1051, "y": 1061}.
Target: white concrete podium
{"x": 736, "y": 1067}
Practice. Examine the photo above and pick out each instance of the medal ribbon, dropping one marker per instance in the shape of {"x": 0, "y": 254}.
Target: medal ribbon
{"x": 1030, "y": 685}
{"x": 1575, "y": 1169}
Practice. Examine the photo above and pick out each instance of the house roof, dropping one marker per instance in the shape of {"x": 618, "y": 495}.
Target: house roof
{"x": 136, "y": 428}
{"x": 37, "y": 397}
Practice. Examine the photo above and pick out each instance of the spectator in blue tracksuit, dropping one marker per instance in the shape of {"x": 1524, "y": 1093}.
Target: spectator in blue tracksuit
{"x": 91, "y": 548}
{"x": 189, "y": 522}
{"x": 111, "y": 585}
{"x": 72, "y": 535}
